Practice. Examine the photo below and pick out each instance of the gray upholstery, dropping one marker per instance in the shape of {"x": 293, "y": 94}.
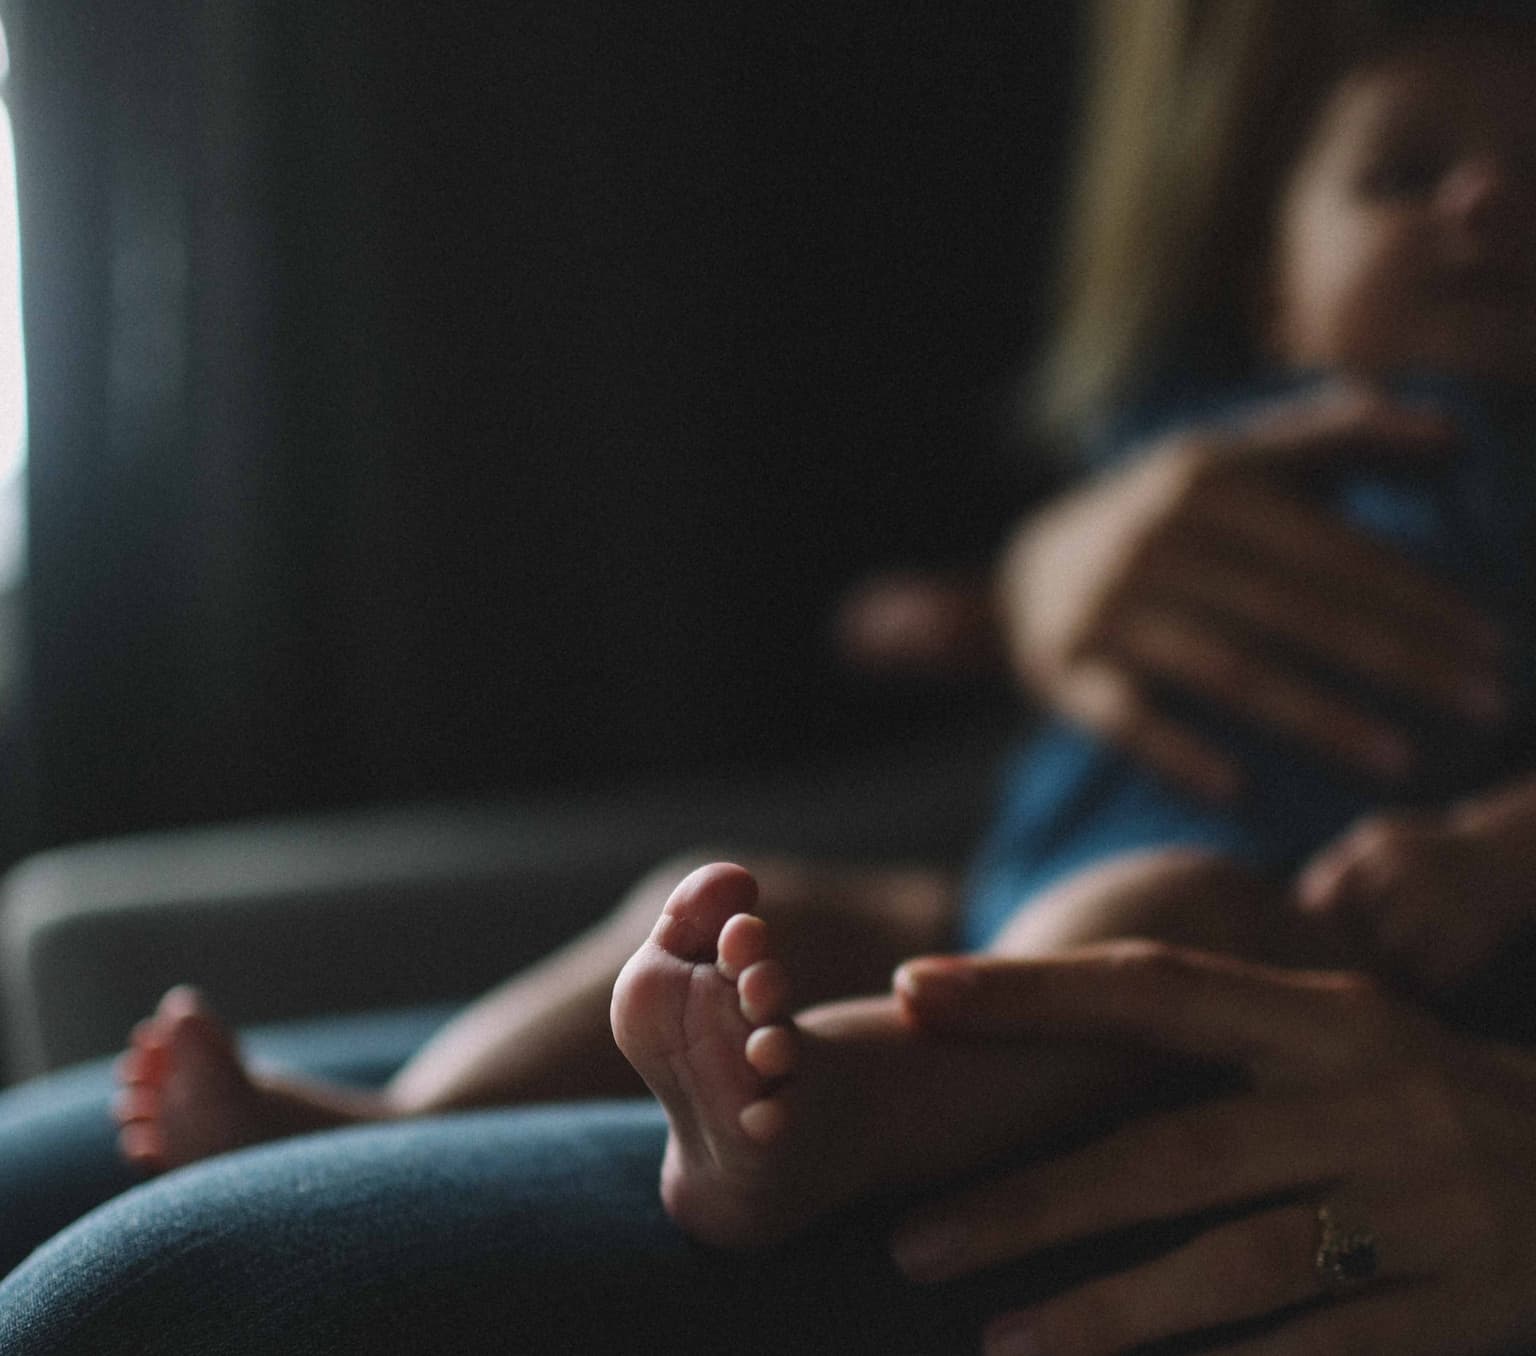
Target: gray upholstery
{"x": 370, "y": 909}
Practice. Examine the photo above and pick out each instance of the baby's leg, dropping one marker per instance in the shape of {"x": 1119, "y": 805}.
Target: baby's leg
{"x": 1185, "y": 896}
{"x": 545, "y": 1034}
{"x": 776, "y": 1122}
{"x": 187, "y": 1092}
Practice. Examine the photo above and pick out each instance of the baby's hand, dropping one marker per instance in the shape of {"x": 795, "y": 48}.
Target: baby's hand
{"x": 929, "y": 624}
{"x": 1431, "y": 896}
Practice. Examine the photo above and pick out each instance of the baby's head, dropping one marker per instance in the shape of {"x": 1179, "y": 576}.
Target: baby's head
{"x": 1339, "y": 184}
{"x": 1405, "y": 232}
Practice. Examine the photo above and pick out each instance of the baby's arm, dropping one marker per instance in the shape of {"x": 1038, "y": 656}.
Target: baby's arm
{"x": 1431, "y": 896}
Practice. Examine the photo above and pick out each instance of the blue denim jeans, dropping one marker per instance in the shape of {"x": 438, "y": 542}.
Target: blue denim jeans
{"x": 535, "y": 1230}
{"x": 507, "y": 1231}
{"x": 58, "y": 1144}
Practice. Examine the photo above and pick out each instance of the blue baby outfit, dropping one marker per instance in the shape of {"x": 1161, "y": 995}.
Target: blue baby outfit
{"x": 1070, "y": 800}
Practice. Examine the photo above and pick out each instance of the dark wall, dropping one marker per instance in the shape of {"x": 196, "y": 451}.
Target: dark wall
{"x": 439, "y": 399}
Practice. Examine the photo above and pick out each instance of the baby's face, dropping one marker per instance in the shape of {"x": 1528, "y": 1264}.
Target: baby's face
{"x": 1406, "y": 239}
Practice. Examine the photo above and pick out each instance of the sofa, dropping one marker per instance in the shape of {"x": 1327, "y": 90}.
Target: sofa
{"x": 401, "y": 906}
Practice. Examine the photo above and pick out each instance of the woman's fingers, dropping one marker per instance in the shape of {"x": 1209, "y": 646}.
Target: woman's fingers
{"x": 1259, "y": 517}
{"x": 1356, "y": 871}
{"x": 1258, "y": 1267}
{"x": 1106, "y": 699}
{"x": 1215, "y": 1155}
{"x": 1220, "y": 666}
{"x": 1199, "y": 570}
{"x": 1176, "y": 1001}
{"x": 1419, "y": 1320}
{"x": 1344, "y": 417}
{"x": 1333, "y": 618}
{"x": 1241, "y": 1271}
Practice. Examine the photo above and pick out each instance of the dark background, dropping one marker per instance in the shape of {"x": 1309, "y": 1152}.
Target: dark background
{"x": 446, "y": 400}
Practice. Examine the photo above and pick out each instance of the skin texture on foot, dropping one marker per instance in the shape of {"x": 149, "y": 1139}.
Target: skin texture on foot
{"x": 701, "y": 1010}
{"x": 777, "y": 1122}
{"x": 186, "y": 1094}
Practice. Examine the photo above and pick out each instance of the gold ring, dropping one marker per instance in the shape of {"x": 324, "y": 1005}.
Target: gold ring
{"x": 1346, "y": 1257}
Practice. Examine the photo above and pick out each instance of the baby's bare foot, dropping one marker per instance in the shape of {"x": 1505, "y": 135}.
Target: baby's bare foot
{"x": 185, "y": 1092}
{"x": 701, "y": 1012}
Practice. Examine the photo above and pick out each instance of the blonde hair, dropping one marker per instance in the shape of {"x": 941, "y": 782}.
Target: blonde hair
{"x": 1195, "y": 111}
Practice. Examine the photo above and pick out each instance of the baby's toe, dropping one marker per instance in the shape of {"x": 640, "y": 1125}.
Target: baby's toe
{"x": 763, "y": 992}
{"x": 698, "y": 908}
{"x": 773, "y": 1051}
{"x": 129, "y": 1067}
{"x": 142, "y": 1144}
{"x": 765, "y": 1120}
{"x": 136, "y": 1103}
{"x": 182, "y": 1001}
{"x": 743, "y": 942}
{"x": 149, "y": 1032}
{"x": 142, "y": 1062}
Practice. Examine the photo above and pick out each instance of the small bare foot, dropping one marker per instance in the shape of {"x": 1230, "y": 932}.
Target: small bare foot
{"x": 185, "y": 1092}
{"x": 776, "y": 1122}
{"x": 700, "y": 1010}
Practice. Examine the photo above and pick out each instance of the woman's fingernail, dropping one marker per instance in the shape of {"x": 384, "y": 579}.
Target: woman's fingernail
{"x": 1012, "y": 1337}
{"x": 936, "y": 978}
{"x": 925, "y": 1254}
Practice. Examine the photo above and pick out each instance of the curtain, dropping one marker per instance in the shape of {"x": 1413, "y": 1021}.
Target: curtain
{"x": 439, "y": 400}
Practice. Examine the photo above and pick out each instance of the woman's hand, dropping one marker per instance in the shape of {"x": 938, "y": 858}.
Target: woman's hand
{"x": 1429, "y": 896}
{"x": 1197, "y": 567}
{"x": 1351, "y": 1101}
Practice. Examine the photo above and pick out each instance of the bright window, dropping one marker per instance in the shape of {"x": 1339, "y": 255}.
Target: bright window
{"x": 13, "y": 386}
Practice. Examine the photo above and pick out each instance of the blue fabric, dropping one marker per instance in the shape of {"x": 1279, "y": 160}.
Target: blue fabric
{"x": 533, "y": 1231}
{"x": 58, "y": 1145}
{"x": 1070, "y": 800}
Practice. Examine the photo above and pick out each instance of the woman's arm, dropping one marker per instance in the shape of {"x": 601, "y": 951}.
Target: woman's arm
{"x": 1417, "y": 1142}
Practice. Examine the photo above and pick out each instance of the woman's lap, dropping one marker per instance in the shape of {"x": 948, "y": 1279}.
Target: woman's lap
{"x": 58, "y": 1157}
{"x": 58, "y": 1144}
{"x": 504, "y": 1231}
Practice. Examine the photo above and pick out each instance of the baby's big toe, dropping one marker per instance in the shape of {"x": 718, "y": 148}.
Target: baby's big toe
{"x": 690, "y": 923}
